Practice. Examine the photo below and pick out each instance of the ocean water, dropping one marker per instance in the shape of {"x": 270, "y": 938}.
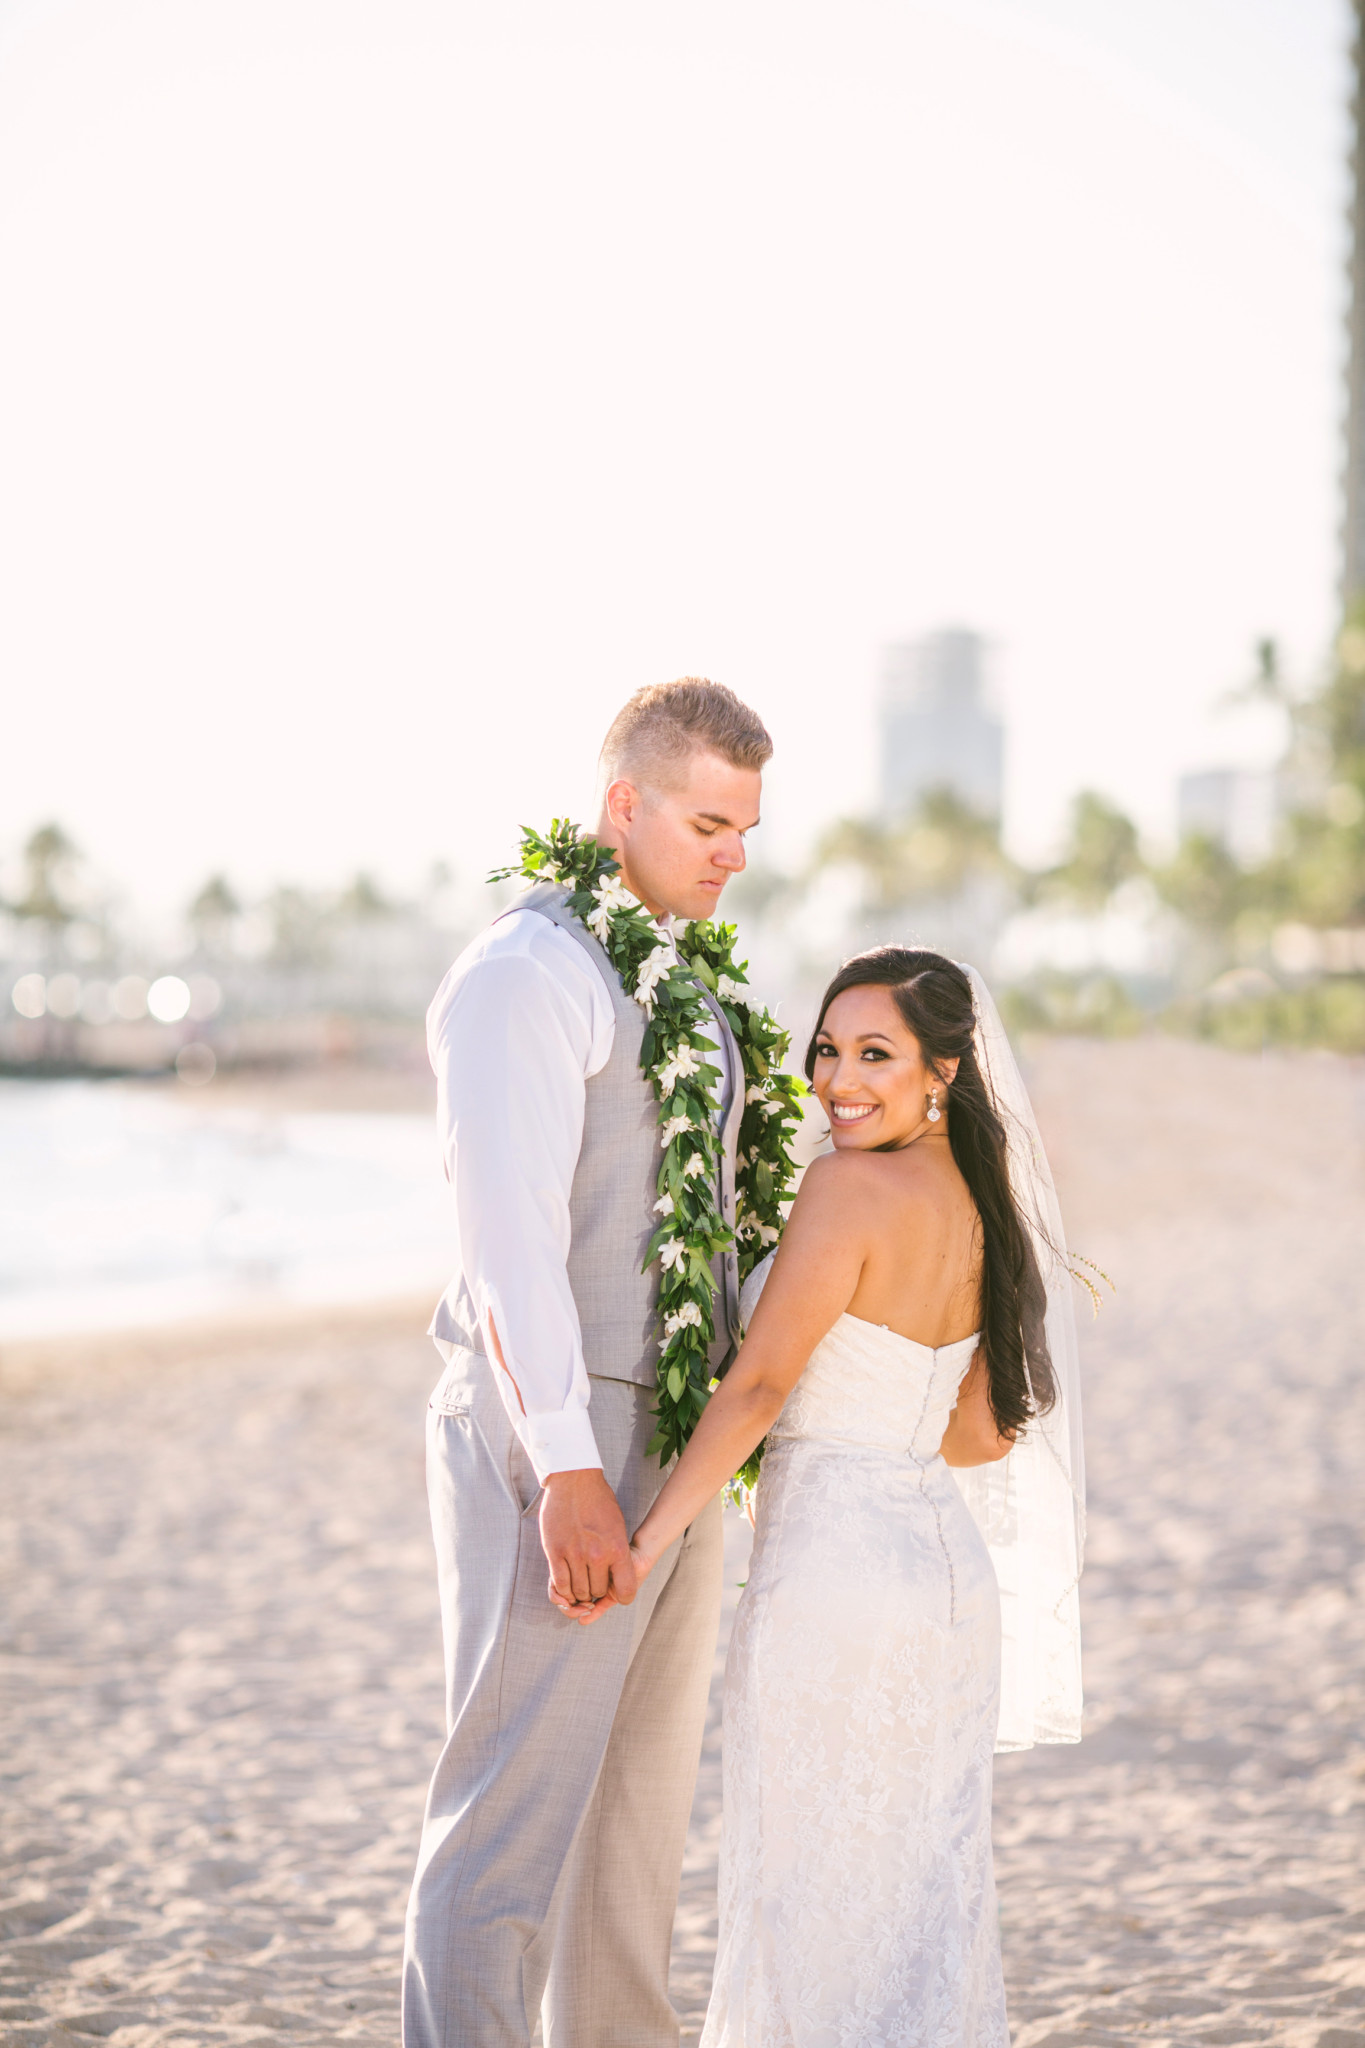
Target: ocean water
{"x": 121, "y": 1208}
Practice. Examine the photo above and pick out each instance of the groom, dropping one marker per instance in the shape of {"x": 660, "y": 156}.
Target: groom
{"x": 552, "y": 1845}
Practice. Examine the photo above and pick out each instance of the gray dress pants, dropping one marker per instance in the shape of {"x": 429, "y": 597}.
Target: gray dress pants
{"x": 547, "y": 1877}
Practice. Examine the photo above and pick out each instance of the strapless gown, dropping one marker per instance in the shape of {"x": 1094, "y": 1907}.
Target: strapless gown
{"x": 857, "y": 1900}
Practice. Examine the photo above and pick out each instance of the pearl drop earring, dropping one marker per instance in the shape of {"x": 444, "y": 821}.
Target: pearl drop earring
{"x": 934, "y": 1111}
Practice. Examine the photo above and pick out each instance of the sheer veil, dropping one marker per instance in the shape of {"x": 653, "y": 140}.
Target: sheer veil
{"x": 1030, "y": 1507}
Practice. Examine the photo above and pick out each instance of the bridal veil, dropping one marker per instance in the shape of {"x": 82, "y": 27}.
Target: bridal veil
{"x": 1030, "y": 1507}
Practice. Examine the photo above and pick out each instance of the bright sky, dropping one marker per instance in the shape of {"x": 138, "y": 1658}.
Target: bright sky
{"x": 388, "y": 387}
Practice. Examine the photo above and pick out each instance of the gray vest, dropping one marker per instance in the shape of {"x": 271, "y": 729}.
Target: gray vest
{"x": 611, "y": 1207}
{"x": 611, "y": 1204}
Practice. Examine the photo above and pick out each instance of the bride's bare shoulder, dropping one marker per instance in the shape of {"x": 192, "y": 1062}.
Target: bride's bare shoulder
{"x": 838, "y": 1178}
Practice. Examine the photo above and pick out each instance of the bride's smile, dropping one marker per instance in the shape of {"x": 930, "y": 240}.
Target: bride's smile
{"x": 872, "y": 1079}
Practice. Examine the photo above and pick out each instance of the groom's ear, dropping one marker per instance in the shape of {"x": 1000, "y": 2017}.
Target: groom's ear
{"x": 623, "y": 802}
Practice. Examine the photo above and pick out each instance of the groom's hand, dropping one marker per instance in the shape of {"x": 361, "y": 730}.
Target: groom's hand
{"x": 583, "y": 1535}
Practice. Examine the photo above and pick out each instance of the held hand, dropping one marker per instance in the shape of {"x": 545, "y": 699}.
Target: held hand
{"x": 590, "y": 1610}
{"x": 583, "y": 1535}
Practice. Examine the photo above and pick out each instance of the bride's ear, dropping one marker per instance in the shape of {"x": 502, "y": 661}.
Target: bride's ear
{"x": 946, "y": 1070}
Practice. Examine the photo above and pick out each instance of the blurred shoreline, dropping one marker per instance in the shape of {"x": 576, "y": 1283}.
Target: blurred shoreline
{"x": 267, "y": 1052}
{"x": 264, "y": 1195}
{"x": 329, "y": 1086}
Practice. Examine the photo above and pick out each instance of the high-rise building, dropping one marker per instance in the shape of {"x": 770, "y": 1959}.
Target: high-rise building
{"x": 1353, "y": 521}
{"x": 1234, "y": 807}
{"x": 937, "y": 729}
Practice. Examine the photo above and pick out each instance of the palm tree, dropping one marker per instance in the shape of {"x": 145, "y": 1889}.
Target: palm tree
{"x": 48, "y": 858}
{"x": 212, "y": 913}
{"x": 1102, "y": 853}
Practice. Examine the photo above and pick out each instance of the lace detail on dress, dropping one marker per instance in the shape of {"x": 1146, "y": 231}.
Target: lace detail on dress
{"x": 866, "y": 1385}
{"x": 857, "y": 1902}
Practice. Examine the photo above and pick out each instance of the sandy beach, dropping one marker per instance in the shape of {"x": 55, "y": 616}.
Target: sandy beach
{"x": 220, "y": 1657}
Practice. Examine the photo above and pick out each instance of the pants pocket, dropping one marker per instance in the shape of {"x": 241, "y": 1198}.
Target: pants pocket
{"x": 453, "y": 1393}
{"x": 522, "y": 1475}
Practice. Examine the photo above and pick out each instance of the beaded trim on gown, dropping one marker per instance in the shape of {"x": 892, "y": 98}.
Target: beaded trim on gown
{"x": 857, "y": 1899}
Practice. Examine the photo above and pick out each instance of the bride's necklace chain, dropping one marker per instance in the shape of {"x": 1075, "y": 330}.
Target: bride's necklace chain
{"x": 675, "y": 1057}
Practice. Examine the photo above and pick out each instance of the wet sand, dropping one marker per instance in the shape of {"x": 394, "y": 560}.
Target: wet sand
{"x": 220, "y": 1666}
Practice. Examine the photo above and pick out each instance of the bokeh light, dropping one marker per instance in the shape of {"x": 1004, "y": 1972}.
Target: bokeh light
{"x": 195, "y": 1063}
{"x": 168, "y": 998}
{"x": 130, "y": 998}
{"x": 206, "y": 998}
{"x": 29, "y": 995}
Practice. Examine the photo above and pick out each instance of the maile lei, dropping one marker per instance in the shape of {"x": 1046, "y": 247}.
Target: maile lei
{"x": 674, "y": 1055}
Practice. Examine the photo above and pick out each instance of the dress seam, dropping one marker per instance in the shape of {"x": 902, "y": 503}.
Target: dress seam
{"x": 926, "y": 1495}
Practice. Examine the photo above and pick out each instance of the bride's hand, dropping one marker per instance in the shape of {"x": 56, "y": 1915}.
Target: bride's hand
{"x": 588, "y": 1611}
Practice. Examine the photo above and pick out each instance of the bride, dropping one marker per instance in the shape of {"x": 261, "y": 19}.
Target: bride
{"x": 915, "y": 1318}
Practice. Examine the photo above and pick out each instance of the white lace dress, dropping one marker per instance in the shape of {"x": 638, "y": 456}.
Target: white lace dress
{"x": 857, "y": 1901}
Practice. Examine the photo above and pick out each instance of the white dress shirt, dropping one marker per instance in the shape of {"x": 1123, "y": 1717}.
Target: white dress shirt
{"x": 516, "y": 1030}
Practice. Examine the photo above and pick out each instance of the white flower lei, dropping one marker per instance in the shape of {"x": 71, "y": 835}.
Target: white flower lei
{"x": 675, "y": 1055}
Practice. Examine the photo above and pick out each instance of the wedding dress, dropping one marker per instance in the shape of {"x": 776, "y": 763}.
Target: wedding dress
{"x": 857, "y": 1900}
{"x": 900, "y": 1622}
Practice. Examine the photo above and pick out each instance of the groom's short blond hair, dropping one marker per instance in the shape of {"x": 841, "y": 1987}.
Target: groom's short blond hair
{"x": 655, "y": 734}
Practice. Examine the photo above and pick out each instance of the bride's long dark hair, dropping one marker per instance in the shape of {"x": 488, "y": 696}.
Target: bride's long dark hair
{"x": 934, "y": 997}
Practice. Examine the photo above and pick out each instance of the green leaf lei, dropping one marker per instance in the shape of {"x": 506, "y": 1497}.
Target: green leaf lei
{"x": 674, "y": 1056}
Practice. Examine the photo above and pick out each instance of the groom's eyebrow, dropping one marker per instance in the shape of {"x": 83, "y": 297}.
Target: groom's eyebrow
{"x": 718, "y": 818}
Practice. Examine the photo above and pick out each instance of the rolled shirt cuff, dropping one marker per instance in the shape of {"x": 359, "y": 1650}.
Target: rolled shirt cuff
{"x": 560, "y": 1440}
